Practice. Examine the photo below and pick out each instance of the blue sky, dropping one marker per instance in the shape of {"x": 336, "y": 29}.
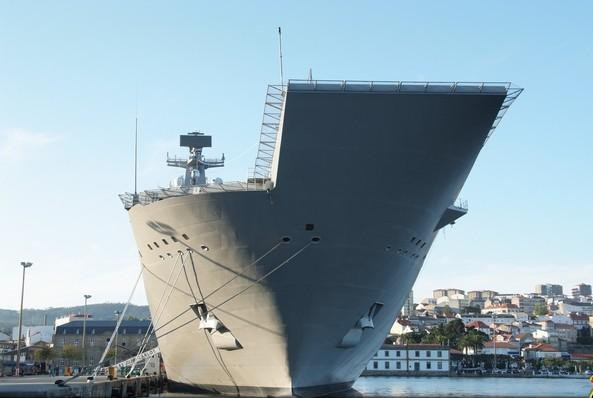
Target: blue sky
{"x": 73, "y": 73}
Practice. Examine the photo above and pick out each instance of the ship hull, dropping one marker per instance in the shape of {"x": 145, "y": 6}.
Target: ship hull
{"x": 291, "y": 271}
{"x": 319, "y": 292}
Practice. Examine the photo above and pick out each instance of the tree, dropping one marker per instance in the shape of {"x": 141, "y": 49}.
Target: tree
{"x": 554, "y": 362}
{"x": 436, "y": 335}
{"x": 474, "y": 339}
{"x": 70, "y": 352}
{"x": 430, "y": 338}
{"x": 464, "y": 343}
{"x": 45, "y": 354}
{"x": 540, "y": 309}
{"x": 412, "y": 337}
{"x": 452, "y": 331}
{"x": 448, "y": 311}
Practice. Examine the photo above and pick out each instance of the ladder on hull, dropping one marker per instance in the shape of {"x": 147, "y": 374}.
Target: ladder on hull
{"x": 269, "y": 133}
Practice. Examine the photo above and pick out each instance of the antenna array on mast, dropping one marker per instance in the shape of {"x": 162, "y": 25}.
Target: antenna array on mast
{"x": 281, "y": 66}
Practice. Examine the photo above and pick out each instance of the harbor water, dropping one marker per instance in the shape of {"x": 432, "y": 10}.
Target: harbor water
{"x": 459, "y": 387}
{"x": 472, "y": 387}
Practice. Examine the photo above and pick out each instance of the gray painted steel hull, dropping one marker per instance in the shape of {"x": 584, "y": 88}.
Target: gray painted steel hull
{"x": 374, "y": 173}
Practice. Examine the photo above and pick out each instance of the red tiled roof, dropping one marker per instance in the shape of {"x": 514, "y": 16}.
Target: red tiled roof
{"x": 579, "y": 317}
{"x": 477, "y": 325}
{"x": 542, "y": 347}
{"x": 581, "y": 356}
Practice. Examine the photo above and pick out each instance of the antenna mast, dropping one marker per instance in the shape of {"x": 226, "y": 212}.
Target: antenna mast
{"x": 281, "y": 69}
{"x": 136, "y": 158}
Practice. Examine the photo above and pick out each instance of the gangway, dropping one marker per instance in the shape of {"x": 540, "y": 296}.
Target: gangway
{"x": 135, "y": 360}
{"x": 139, "y": 358}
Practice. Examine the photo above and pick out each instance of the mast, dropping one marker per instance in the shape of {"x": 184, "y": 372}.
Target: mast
{"x": 136, "y": 158}
{"x": 281, "y": 66}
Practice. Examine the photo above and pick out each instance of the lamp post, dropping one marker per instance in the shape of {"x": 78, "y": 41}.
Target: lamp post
{"x": 116, "y": 313}
{"x": 86, "y": 297}
{"x": 25, "y": 265}
{"x": 494, "y": 368}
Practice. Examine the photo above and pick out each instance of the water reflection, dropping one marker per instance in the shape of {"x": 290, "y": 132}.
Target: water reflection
{"x": 455, "y": 387}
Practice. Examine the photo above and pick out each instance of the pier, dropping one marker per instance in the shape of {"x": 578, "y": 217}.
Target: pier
{"x": 44, "y": 386}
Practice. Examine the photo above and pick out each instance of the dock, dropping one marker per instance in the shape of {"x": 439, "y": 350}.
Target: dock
{"x": 100, "y": 387}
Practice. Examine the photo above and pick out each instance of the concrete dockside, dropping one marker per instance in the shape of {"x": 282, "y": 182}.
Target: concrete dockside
{"x": 43, "y": 386}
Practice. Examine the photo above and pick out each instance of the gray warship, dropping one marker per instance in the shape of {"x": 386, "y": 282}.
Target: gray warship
{"x": 288, "y": 282}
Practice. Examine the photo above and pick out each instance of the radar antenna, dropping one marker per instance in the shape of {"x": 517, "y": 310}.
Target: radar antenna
{"x": 195, "y": 165}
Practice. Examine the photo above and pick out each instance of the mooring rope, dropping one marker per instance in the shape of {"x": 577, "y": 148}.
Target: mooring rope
{"x": 119, "y": 320}
{"x": 160, "y": 310}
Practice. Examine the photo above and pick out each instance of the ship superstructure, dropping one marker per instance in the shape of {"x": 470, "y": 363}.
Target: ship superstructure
{"x": 288, "y": 283}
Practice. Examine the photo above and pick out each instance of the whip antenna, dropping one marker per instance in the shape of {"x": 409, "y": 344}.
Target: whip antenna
{"x": 136, "y": 158}
{"x": 281, "y": 69}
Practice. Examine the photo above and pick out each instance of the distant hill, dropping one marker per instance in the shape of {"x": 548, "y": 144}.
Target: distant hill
{"x": 10, "y": 318}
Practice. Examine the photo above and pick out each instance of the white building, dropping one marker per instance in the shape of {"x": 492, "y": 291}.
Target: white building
{"x": 455, "y": 301}
{"x": 71, "y": 318}
{"x": 487, "y": 319}
{"x": 34, "y": 334}
{"x": 500, "y": 309}
{"x": 421, "y": 358}
{"x": 556, "y": 318}
{"x": 408, "y": 308}
{"x": 537, "y": 351}
{"x": 500, "y": 348}
{"x": 566, "y": 307}
{"x": 401, "y": 326}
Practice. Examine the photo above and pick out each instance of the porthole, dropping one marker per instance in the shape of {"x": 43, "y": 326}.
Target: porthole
{"x": 161, "y": 257}
{"x": 155, "y": 244}
{"x": 388, "y": 248}
{"x": 286, "y": 239}
{"x": 413, "y": 239}
{"x": 418, "y": 242}
{"x": 204, "y": 248}
{"x": 169, "y": 255}
{"x": 423, "y": 245}
{"x": 185, "y": 236}
{"x": 315, "y": 239}
{"x": 309, "y": 227}
{"x": 165, "y": 241}
{"x": 150, "y": 247}
{"x": 174, "y": 239}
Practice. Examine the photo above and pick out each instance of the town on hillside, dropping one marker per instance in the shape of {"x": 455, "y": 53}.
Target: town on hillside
{"x": 544, "y": 333}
